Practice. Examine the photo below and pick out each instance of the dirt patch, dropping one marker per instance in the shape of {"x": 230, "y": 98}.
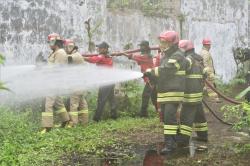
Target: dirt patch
{"x": 142, "y": 147}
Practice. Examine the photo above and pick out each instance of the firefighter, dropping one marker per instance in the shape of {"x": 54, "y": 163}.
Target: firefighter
{"x": 209, "y": 67}
{"x": 192, "y": 110}
{"x": 145, "y": 61}
{"x": 171, "y": 85}
{"x": 78, "y": 107}
{"x": 106, "y": 93}
{"x": 57, "y": 57}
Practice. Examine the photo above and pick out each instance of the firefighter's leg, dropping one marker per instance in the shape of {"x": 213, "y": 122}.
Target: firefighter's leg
{"x": 200, "y": 124}
{"x": 170, "y": 127}
{"x": 74, "y": 101}
{"x": 47, "y": 115}
{"x": 61, "y": 111}
{"x": 112, "y": 102}
{"x": 101, "y": 101}
{"x": 187, "y": 116}
{"x": 83, "y": 114}
{"x": 145, "y": 100}
{"x": 211, "y": 94}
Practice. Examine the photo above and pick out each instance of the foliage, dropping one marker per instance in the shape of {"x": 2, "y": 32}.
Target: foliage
{"x": 148, "y": 7}
{"x": 2, "y": 85}
{"x": 2, "y": 59}
{"x": 238, "y": 82}
{"x": 236, "y": 114}
{"x": 21, "y": 144}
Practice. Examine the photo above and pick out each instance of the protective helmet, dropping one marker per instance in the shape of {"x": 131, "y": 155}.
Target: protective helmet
{"x": 186, "y": 45}
{"x": 68, "y": 42}
{"x": 54, "y": 36}
{"x": 170, "y": 36}
{"x": 206, "y": 41}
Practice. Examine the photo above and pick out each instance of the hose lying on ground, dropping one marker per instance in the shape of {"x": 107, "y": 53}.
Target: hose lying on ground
{"x": 214, "y": 114}
{"x": 222, "y": 95}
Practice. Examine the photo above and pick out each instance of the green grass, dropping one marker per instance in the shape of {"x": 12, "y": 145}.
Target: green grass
{"x": 22, "y": 144}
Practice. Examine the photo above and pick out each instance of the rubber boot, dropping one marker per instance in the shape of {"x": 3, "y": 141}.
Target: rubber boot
{"x": 170, "y": 146}
{"x": 201, "y": 136}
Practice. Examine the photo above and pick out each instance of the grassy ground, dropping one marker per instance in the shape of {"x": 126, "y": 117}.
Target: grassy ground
{"x": 21, "y": 144}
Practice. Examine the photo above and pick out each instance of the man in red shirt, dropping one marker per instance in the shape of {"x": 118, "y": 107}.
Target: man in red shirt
{"x": 145, "y": 61}
{"x": 106, "y": 93}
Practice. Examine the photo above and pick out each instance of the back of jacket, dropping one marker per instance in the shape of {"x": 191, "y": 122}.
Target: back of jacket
{"x": 194, "y": 79}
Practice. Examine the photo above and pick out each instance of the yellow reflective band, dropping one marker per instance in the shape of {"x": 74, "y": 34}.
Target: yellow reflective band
{"x": 200, "y": 124}
{"x": 180, "y": 73}
{"x": 73, "y": 113}
{"x": 170, "y": 127}
{"x": 192, "y": 100}
{"x": 47, "y": 113}
{"x": 193, "y": 95}
{"x": 172, "y": 61}
{"x": 201, "y": 129}
{"x": 83, "y": 112}
{"x": 194, "y": 76}
{"x": 190, "y": 63}
{"x": 169, "y": 99}
{"x": 212, "y": 94}
{"x": 63, "y": 110}
{"x": 186, "y": 128}
{"x": 185, "y": 132}
{"x": 171, "y": 132}
{"x": 171, "y": 94}
{"x": 156, "y": 71}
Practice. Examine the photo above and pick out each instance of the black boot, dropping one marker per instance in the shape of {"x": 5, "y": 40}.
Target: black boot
{"x": 170, "y": 146}
{"x": 201, "y": 136}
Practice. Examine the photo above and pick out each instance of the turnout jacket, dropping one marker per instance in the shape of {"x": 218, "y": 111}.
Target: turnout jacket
{"x": 171, "y": 76}
{"x": 194, "y": 79}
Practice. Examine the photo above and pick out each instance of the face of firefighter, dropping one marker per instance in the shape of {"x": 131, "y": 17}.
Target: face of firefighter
{"x": 102, "y": 50}
{"x": 144, "y": 49}
{"x": 52, "y": 44}
{"x": 208, "y": 47}
{"x": 165, "y": 45}
{"x": 69, "y": 48}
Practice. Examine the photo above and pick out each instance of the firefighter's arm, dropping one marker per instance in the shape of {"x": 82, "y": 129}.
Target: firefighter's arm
{"x": 170, "y": 68}
{"x": 93, "y": 59}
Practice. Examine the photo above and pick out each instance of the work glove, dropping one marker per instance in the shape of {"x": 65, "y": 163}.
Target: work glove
{"x": 148, "y": 73}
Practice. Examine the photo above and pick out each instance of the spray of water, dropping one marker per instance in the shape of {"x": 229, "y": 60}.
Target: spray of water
{"x": 29, "y": 82}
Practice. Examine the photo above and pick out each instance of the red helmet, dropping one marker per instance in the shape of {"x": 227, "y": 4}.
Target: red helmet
{"x": 206, "y": 41}
{"x": 170, "y": 36}
{"x": 186, "y": 45}
{"x": 54, "y": 36}
{"x": 68, "y": 42}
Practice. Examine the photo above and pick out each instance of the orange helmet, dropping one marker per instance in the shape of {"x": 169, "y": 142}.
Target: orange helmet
{"x": 186, "y": 45}
{"x": 170, "y": 36}
{"x": 68, "y": 42}
{"x": 206, "y": 41}
{"x": 54, "y": 36}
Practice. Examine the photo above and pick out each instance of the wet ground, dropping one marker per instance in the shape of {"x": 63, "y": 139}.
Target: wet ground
{"x": 142, "y": 148}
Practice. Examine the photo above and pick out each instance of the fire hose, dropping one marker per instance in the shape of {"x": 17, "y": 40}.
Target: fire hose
{"x": 120, "y": 53}
{"x": 222, "y": 95}
{"x": 214, "y": 114}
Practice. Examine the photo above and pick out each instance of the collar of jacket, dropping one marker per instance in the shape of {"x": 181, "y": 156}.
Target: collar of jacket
{"x": 204, "y": 48}
{"x": 171, "y": 50}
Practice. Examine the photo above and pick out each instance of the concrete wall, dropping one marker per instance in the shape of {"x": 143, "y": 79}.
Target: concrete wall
{"x": 225, "y": 22}
{"x": 25, "y": 24}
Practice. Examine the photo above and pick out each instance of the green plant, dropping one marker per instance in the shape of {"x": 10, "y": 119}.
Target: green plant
{"x": 22, "y": 144}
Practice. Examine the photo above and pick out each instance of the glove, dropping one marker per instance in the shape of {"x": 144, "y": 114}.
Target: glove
{"x": 147, "y": 73}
